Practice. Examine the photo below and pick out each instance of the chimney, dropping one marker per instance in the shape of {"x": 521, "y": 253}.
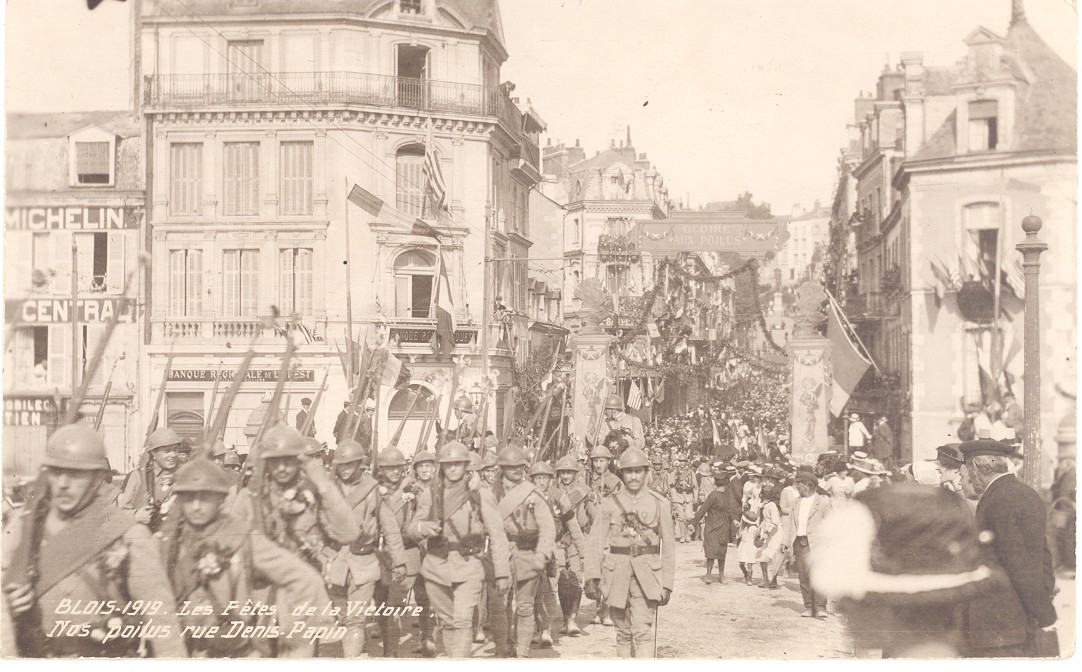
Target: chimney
{"x": 629, "y": 136}
{"x": 576, "y": 142}
{"x": 1018, "y": 12}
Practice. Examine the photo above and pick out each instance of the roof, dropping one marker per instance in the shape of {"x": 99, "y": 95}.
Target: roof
{"x": 481, "y": 15}
{"x": 1046, "y": 112}
{"x": 26, "y": 126}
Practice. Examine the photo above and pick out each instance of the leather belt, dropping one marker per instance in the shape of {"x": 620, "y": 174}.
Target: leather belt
{"x": 635, "y": 551}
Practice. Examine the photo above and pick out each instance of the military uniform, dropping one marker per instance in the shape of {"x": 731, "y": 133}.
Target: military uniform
{"x": 354, "y": 569}
{"x": 400, "y": 501}
{"x": 150, "y": 484}
{"x": 601, "y": 486}
{"x": 570, "y": 553}
{"x": 93, "y": 554}
{"x": 303, "y": 517}
{"x": 531, "y": 531}
{"x": 414, "y": 486}
{"x": 452, "y": 567}
{"x": 683, "y": 502}
{"x": 222, "y": 564}
{"x": 640, "y": 563}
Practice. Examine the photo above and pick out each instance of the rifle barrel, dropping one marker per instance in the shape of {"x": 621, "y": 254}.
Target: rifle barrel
{"x": 311, "y": 419}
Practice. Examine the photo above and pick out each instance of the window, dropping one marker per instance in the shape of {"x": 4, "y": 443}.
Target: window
{"x": 185, "y": 414}
{"x": 92, "y": 164}
{"x": 983, "y": 125}
{"x": 411, "y": 6}
{"x": 410, "y": 181}
{"x": 186, "y": 173}
{"x": 413, "y": 276}
{"x": 295, "y": 167}
{"x": 241, "y": 178}
{"x": 295, "y": 270}
{"x": 186, "y": 283}
{"x": 244, "y": 68}
{"x": 980, "y": 241}
{"x": 240, "y": 280}
{"x": 42, "y": 356}
{"x": 576, "y": 232}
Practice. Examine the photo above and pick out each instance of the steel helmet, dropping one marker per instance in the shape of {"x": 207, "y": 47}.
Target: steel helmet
{"x": 512, "y": 456}
{"x": 614, "y": 403}
{"x": 475, "y": 463}
{"x": 600, "y": 451}
{"x": 217, "y": 448}
{"x": 656, "y": 459}
{"x": 568, "y": 463}
{"x": 201, "y": 475}
{"x": 463, "y": 404}
{"x": 422, "y": 457}
{"x": 312, "y": 446}
{"x": 453, "y": 451}
{"x": 161, "y": 438}
{"x": 489, "y": 460}
{"x": 349, "y": 451}
{"x": 75, "y": 446}
{"x": 633, "y": 457}
{"x": 391, "y": 457}
{"x": 232, "y": 459}
{"x": 542, "y": 469}
{"x": 280, "y": 441}
{"x": 704, "y": 469}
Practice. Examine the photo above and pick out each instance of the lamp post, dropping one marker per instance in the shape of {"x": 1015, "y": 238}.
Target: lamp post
{"x": 1031, "y": 249}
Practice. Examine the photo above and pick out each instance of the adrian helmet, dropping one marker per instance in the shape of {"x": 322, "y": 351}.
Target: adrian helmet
{"x": 463, "y": 404}
{"x": 391, "y": 457}
{"x": 423, "y": 456}
{"x": 633, "y": 457}
{"x": 453, "y": 451}
{"x": 162, "y": 438}
{"x": 217, "y": 448}
{"x": 280, "y": 441}
{"x": 542, "y": 469}
{"x": 614, "y": 403}
{"x": 568, "y": 463}
{"x": 201, "y": 475}
{"x": 75, "y": 446}
{"x": 349, "y": 451}
{"x": 512, "y": 456}
{"x": 600, "y": 451}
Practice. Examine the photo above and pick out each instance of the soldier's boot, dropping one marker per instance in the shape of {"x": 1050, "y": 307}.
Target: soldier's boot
{"x": 623, "y": 649}
{"x": 353, "y": 642}
{"x": 498, "y": 624}
{"x": 603, "y": 612}
{"x": 575, "y": 598}
{"x": 478, "y": 627}
{"x": 524, "y": 636}
{"x": 389, "y": 630}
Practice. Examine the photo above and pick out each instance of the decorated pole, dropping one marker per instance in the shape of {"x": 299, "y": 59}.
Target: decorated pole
{"x": 1031, "y": 249}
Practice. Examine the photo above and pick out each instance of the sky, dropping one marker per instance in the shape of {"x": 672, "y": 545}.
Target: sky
{"x": 724, "y": 96}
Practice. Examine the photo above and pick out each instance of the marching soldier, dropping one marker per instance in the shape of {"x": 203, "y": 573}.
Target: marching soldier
{"x": 489, "y": 468}
{"x": 467, "y": 421}
{"x": 424, "y": 471}
{"x": 293, "y": 500}
{"x": 661, "y": 480}
{"x": 72, "y": 545}
{"x": 569, "y": 552}
{"x": 399, "y": 500}
{"x": 215, "y": 560}
{"x": 148, "y": 488}
{"x": 681, "y": 494}
{"x": 637, "y": 574}
{"x": 354, "y": 569}
{"x": 528, "y": 523}
{"x": 602, "y": 483}
{"x": 570, "y": 547}
{"x": 455, "y": 521}
{"x": 626, "y": 426}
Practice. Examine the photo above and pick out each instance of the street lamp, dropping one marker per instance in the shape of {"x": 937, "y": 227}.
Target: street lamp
{"x": 1031, "y": 249}
{"x": 476, "y": 393}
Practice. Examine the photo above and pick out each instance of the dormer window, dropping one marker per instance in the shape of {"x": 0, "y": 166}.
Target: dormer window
{"x": 415, "y": 7}
{"x": 983, "y": 125}
{"x": 91, "y": 154}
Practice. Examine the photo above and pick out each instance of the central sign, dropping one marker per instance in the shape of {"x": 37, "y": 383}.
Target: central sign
{"x": 58, "y": 311}
{"x": 710, "y": 232}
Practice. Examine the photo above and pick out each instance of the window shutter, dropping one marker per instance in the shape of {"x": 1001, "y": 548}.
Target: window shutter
{"x": 303, "y": 282}
{"x": 285, "y": 280}
{"x": 187, "y": 172}
{"x": 60, "y": 357}
{"x": 402, "y": 296}
{"x": 85, "y": 259}
{"x": 114, "y": 274}
{"x": 231, "y": 283}
{"x": 176, "y": 283}
{"x": 18, "y": 271}
{"x": 296, "y": 172}
{"x": 94, "y": 333}
{"x": 249, "y": 283}
{"x": 24, "y": 356}
{"x": 194, "y": 282}
{"x": 61, "y": 283}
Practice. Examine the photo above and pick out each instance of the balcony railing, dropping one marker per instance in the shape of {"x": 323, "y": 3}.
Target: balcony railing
{"x": 301, "y": 89}
{"x": 870, "y": 306}
{"x": 214, "y": 330}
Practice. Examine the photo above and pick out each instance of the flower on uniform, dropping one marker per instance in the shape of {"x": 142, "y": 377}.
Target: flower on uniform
{"x": 297, "y": 500}
{"x": 210, "y": 562}
{"x": 114, "y": 560}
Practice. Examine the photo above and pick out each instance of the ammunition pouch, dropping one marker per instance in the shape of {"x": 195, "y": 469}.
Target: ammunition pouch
{"x": 363, "y": 547}
{"x": 526, "y": 540}
{"x": 469, "y": 545}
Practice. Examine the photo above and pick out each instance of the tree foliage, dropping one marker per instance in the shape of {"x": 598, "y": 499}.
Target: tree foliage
{"x": 755, "y": 211}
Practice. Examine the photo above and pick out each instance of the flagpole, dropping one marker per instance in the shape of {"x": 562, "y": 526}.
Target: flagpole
{"x": 842, "y": 318}
{"x": 486, "y": 300}
{"x": 996, "y": 348}
{"x": 349, "y": 295}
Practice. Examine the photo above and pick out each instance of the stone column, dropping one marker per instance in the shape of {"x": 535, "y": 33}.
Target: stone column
{"x": 811, "y": 377}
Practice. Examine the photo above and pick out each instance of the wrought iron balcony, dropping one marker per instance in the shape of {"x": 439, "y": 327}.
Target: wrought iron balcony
{"x": 217, "y": 330}
{"x": 870, "y": 306}
{"x": 299, "y": 90}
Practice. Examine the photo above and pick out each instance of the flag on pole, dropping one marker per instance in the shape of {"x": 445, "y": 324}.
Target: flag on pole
{"x": 375, "y": 206}
{"x": 443, "y": 341}
{"x": 717, "y": 434}
{"x": 846, "y": 359}
{"x": 634, "y": 396}
{"x": 433, "y": 175}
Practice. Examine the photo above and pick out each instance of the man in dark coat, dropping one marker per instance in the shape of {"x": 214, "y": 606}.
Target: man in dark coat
{"x": 719, "y": 511}
{"x": 1008, "y": 621}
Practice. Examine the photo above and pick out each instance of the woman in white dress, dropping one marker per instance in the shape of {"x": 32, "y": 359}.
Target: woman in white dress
{"x": 770, "y": 537}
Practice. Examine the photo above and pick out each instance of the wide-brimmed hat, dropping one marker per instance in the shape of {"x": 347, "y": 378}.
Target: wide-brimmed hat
{"x": 853, "y": 417}
{"x": 866, "y": 553}
{"x": 870, "y": 466}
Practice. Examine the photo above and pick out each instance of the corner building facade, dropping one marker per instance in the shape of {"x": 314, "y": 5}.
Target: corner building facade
{"x": 261, "y": 116}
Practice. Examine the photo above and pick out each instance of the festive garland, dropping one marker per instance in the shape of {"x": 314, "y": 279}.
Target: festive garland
{"x": 704, "y": 277}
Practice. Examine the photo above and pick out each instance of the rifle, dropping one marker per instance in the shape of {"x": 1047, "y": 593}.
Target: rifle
{"x": 92, "y": 366}
{"x": 544, "y": 445}
{"x": 545, "y": 398}
{"x": 105, "y": 394}
{"x": 222, "y": 415}
{"x": 402, "y": 425}
{"x": 450, "y": 405}
{"x": 153, "y": 424}
{"x": 213, "y": 398}
{"x": 311, "y": 419}
{"x": 30, "y": 639}
{"x": 426, "y": 426}
{"x": 563, "y": 417}
{"x": 259, "y": 470}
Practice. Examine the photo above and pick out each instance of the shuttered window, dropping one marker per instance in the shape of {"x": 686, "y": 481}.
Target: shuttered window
{"x": 186, "y": 178}
{"x": 295, "y": 269}
{"x": 185, "y": 283}
{"x": 92, "y": 164}
{"x": 295, "y": 167}
{"x": 410, "y": 180}
{"x": 240, "y": 283}
{"x": 241, "y": 169}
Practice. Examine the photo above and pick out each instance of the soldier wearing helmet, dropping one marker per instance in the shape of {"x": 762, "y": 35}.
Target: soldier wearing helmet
{"x": 148, "y": 488}
{"x": 621, "y": 428}
{"x": 489, "y": 468}
{"x": 455, "y": 521}
{"x": 424, "y": 475}
{"x": 570, "y": 554}
{"x": 206, "y": 534}
{"x": 529, "y": 525}
{"x": 72, "y": 545}
{"x": 467, "y": 420}
{"x": 636, "y": 577}
{"x": 602, "y": 483}
{"x": 354, "y": 569}
{"x": 400, "y": 502}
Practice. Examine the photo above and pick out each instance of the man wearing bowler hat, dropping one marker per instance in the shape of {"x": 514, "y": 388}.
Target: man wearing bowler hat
{"x": 302, "y": 417}
{"x": 1015, "y": 617}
